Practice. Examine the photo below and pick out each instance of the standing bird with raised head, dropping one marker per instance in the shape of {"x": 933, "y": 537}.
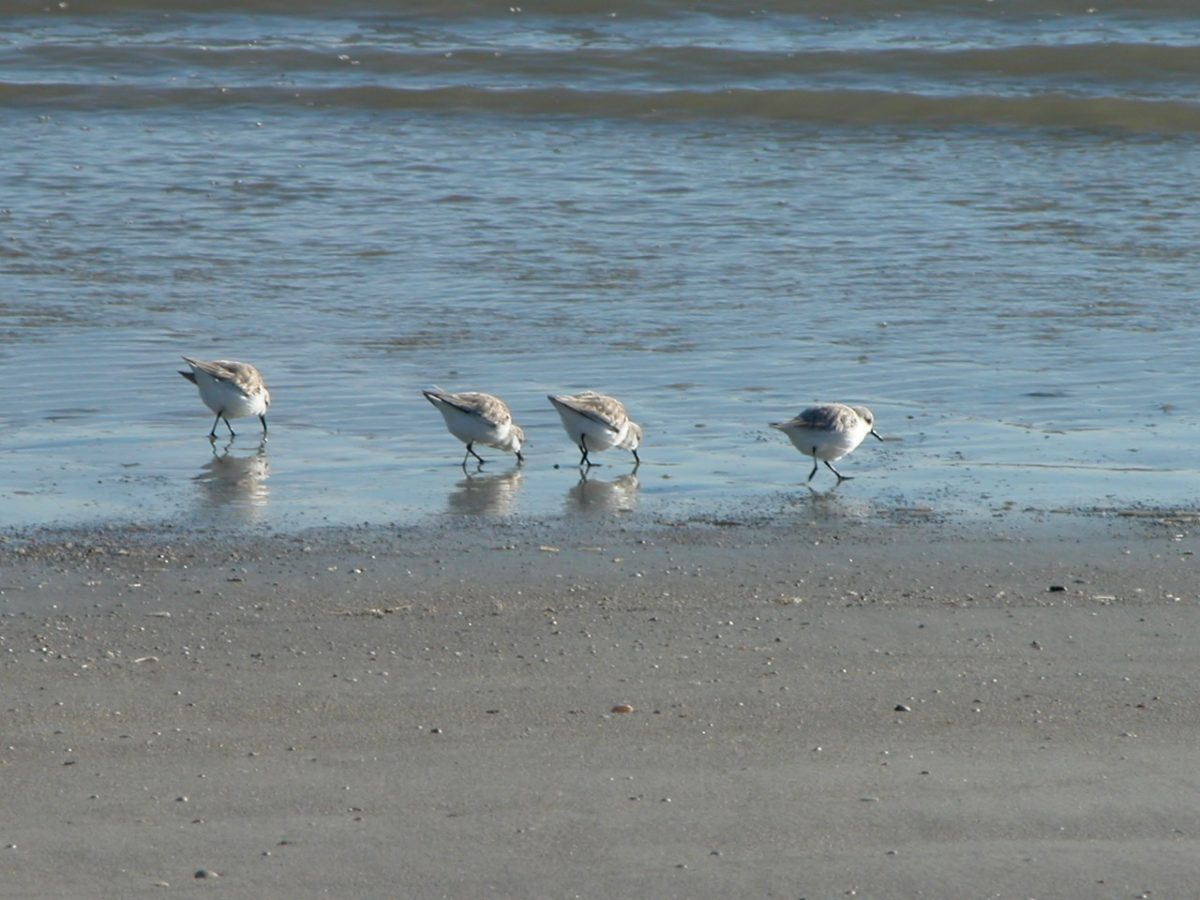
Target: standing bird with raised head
{"x": 596, "y": 422}
{"x": 232, "y": 390}
{"x": 829, "y": 432}
{"x": 476, "y": 418}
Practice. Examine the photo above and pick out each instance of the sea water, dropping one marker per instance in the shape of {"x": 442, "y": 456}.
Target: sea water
{"x": 979, "y": 219}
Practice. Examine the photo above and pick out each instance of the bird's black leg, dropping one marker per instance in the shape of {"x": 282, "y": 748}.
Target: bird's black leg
{"x": 230, "y": 427}
{"x": 217, "y": 421}
{"x": 840, "y": 476}
{"x": 814, "y": 468}
{"x": 471, "y": 452}
{"x": 637, "y": 460}
{"x": 520, "y": 458}
{"x": 583, "y": 460}
{"x": 263, "y": 419}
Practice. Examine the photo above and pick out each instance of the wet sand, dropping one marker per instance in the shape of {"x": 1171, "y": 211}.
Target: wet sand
{"x": 820, "y": 708}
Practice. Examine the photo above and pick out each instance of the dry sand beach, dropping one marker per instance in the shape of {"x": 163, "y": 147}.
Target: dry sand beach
{"x": 820, "y": 708}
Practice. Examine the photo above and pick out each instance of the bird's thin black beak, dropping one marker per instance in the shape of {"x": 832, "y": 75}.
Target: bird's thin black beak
{"x": 876, "y": 433}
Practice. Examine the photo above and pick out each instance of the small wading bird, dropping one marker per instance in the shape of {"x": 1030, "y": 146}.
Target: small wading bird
{"x": 233, "y": 390}
{"x": 829, "y": 432}
{"x": 476, "y": 418}
{"x": 595, "y": 422}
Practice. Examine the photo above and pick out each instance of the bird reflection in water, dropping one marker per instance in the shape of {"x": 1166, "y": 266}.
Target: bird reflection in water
{"x": 235, "y": 480}
{"x": 595, "y": 495}
{"x": 831, "y": 505}
{"x": 485, "y": 493}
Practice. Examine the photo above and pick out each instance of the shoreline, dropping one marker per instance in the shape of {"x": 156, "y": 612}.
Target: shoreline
{"x": 817, "y": 708}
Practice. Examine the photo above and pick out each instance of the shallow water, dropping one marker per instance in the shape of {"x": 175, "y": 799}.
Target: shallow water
{"x": 982, "y": 226}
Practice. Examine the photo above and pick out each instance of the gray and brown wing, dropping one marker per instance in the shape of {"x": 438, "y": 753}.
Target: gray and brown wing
{"x": 241, "y": 375}
{"x": 600, "y": 408}
{"x": 826, "y": 418}
{"x": 473, "y": 403}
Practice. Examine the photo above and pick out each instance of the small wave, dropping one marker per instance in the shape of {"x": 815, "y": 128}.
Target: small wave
{"x": 833, "y": 107}
{"x": 1102, "y": 65}
{"x": 447, "y": 9}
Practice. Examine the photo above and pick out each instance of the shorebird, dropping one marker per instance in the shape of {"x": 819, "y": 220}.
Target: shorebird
{"x": 476, "y": 418}
{"x": 233, "y": 390}
{"x": 829, "y": 432}
{"x": 596, "y": 422}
